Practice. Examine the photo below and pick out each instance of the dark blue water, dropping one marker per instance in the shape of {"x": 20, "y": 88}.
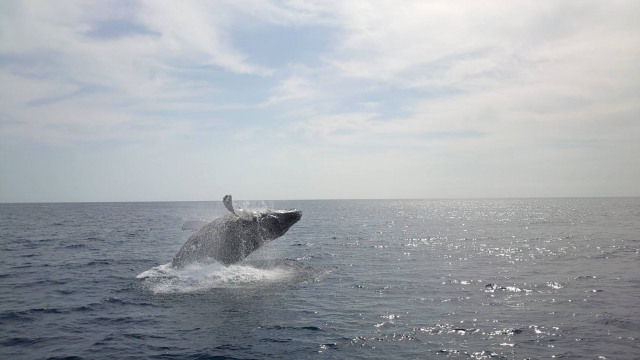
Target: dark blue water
{"x": 510, "y": 279}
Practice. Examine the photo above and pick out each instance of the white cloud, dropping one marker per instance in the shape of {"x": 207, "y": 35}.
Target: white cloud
{"x": 194, "y": 29}
{"x": 533, "y": 69}
{"x": 55, "y": 57}
{"x": 293, "y": 88}
{"x": 424, "y": 87}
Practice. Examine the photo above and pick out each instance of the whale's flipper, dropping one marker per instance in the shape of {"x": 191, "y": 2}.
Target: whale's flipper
{"x": 228, "y": 203}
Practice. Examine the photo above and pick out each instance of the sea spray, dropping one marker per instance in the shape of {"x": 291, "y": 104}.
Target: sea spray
{"x": 202, "y": 277}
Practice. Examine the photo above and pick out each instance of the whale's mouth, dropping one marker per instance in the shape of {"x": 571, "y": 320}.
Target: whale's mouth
{"x": 276, "y": 223}
{"x": 290, "y": 216}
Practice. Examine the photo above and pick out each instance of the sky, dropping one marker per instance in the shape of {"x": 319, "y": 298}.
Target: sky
{"x": 329, "y": 99}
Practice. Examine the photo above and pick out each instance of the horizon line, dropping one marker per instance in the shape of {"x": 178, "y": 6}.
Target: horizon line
{"x": 321, "y": 199}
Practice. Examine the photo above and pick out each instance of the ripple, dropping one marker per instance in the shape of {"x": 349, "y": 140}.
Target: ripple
{"x": 21, "y": 341}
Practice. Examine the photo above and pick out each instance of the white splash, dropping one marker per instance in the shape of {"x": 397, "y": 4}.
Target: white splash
{"x": 247, "y": 214}
{"x": 196, "y": 277}
{"x": 251, "y": 209}
{"x": 195, "y": 224}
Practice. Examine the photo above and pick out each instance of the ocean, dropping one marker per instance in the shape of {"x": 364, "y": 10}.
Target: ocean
{"x": 354, "y": 279}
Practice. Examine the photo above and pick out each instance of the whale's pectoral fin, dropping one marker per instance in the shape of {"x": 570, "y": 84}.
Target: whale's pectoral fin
{"x": 228, "y": 203}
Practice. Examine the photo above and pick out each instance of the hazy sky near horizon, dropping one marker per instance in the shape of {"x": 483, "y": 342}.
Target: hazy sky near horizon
{"x": 191, "y": 100}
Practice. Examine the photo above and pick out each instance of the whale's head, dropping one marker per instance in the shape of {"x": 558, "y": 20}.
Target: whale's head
{"x": 274, "y": 223}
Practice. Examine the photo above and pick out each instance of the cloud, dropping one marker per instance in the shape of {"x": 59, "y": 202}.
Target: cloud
{"x": 536, "y": 69}
{"x": 195, "y": 30}
{"x": 113, "y": 57}
{"x": 506, "y": 91}
{"x": 293, "y": 88}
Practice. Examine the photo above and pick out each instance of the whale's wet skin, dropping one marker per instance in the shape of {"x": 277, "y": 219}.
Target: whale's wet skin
{"x": 388, "y": 279}
{"x": 231, "y": 238}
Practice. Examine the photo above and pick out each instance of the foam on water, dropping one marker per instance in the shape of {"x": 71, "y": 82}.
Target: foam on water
{"x": 202, "y": 277}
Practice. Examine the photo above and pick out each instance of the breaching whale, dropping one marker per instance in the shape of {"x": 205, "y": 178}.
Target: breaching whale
{"x": 231, "y": 238}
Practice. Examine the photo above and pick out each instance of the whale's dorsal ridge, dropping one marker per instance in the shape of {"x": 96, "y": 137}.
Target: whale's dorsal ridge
{"x": 228, "y": 203}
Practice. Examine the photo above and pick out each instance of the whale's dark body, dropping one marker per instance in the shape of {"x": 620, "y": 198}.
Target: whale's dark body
{"x": 231, "y": 238}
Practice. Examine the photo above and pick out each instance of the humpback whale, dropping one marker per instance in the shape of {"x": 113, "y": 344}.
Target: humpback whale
{"x": 231, "y": 238}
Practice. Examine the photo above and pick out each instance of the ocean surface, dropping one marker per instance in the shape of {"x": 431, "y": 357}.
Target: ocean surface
{"x": 354, "y": 279}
